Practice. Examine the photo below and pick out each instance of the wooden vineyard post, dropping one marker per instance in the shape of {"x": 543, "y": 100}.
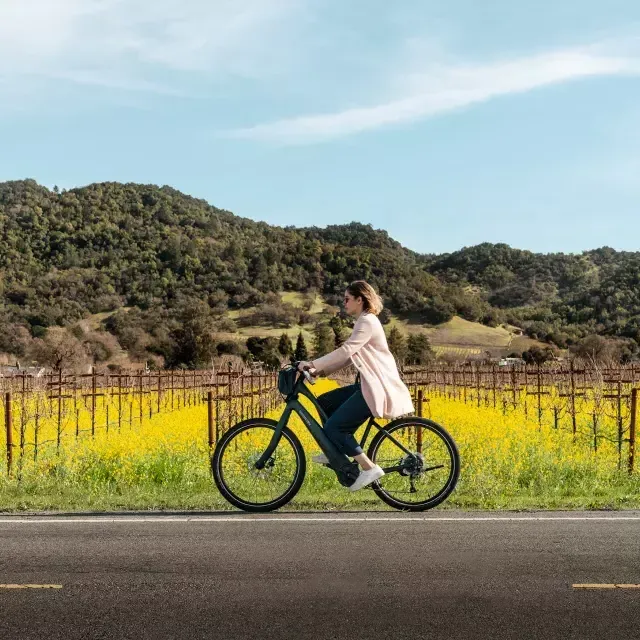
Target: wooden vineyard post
{"x": 229, "y": 393}
{"x": 23, "y": 422}
{"x": 59, "y": 397}
{"x": 618, "y": 397}
{"x": 632, "y": 429}
{"x": 573, "y": 393}
{"x": 252, "y": 392}
{"x": 36, "y": 430}
{"x": 210, "y": 416}
{"x": 464, "y": 384}
{"x": 119, "y": 401}
{"x": 59, "y": 428}
{"x": 539, "y": 393}
{"x": 94, "y": 394}
{"x": 217, "y": 407}
{"x": 8, "y": 419}
{"x": 242, "y": 395}
{"x": 573, "y": 400}
{"x": 420, "y": 414}
{"x": 76, "y": 411}
{"x": 495, "y": 383}
{"x": 140, "y": 393}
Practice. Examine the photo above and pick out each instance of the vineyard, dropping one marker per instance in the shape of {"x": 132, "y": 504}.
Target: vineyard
{"x": 51, "y": 412}
{"x": 530, "y": 436}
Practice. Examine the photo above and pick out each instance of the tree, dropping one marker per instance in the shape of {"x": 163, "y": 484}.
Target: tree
{"x": 398, "y": 345}
{"x": 285, "y": 347}
{"x": 264, "y": 350}
{"x": 419, "y": 349}
{"x": 337, "y": 325}
{"x": 598, "y": 349}
{"x": 230, "y": 347}
{"x": 14, "y": 339}
{"x": 150, "y": 249}
{"x": 436, "y": 311}
{"x": 301, "y": 352}
{"x": 194, "y": 342}
{"x": 538, "y": 355}
{"x": 101, "y": 345}
{"x": 323, "y": 341}
{"x": 384, "y": 316}
{"x": 59, "y": 349}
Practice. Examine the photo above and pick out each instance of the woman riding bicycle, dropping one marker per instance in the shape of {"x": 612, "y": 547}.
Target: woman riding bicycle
{"x": 380, "y": 392}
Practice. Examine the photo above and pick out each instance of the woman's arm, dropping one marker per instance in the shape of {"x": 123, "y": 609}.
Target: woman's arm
{"x": 362, "y": 332}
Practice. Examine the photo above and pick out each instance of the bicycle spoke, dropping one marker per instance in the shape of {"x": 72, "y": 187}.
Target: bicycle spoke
{"x": 420, "y": 476}
{"x": 258, "y": 486}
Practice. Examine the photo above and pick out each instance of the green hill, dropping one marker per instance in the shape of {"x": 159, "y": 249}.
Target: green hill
{"x": 67, "y": 256}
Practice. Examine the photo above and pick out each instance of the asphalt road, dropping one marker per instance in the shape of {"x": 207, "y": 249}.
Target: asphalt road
{"x": 439, "y": 575}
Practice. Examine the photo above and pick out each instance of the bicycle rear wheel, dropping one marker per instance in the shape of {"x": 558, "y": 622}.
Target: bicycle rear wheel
{"x": 251, "y": 489}
{"x": 425, "y": 478}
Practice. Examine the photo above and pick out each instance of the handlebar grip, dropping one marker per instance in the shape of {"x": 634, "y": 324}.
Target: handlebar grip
{"x": 308, "y": 376}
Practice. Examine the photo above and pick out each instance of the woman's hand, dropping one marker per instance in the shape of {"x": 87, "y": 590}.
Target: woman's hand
{"x": 308, "y": 366}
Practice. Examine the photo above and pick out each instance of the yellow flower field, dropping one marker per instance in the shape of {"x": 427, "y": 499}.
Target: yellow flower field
{"x": 508, "y": 461}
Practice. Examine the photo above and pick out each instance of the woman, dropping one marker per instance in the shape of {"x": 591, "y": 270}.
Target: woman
{"x": 381, "y": 393}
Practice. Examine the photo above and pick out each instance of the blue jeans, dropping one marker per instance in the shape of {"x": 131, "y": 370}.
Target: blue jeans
{"x": 347, "y": 410}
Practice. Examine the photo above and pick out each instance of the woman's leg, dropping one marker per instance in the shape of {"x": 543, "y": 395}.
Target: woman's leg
{"x": 331, "y": 400}
{"x": 344, "y": 422}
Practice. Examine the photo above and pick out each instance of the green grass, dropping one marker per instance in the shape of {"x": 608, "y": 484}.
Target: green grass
{"x": 190, "y": 487}
{"x": 297, "y": 299}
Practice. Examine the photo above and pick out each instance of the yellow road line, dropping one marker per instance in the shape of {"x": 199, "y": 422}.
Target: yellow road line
{"x": 606, "y": 586}
{"x": 30, "y": 586}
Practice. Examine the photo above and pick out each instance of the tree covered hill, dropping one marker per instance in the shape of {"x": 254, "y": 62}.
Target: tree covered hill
{"x": 65, "y": 255}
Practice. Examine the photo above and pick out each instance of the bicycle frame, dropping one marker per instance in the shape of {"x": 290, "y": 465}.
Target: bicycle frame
{"x": 345, "y": 470}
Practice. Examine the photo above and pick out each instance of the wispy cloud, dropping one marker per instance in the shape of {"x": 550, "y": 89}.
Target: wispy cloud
{"x": 130, "y": 44}
{"x": 444, "y": 88}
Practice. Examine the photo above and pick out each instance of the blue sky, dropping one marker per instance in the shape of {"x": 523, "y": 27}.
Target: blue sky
{"x": 446, "y": 123}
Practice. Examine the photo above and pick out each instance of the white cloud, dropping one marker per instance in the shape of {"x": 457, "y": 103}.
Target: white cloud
{"x": 129, "y": 43}
{"x": 445, "y": 88}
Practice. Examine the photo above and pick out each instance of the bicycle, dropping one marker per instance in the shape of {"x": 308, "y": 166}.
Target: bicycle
{"x": 259, "y": 465}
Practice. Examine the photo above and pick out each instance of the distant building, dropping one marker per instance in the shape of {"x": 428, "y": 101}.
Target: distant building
{"x": 505, "y": 362}
{"x": 10, "y": 371}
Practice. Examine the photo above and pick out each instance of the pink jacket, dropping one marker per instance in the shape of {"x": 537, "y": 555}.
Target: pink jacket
{"x": 383, "y": 390}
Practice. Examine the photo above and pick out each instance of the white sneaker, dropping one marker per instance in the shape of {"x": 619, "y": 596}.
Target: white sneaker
{"x": 320, "y": 459}
{"x": 367, "y": 477}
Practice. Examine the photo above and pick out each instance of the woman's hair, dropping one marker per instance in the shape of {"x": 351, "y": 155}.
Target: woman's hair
{"x": 371, "y": 300}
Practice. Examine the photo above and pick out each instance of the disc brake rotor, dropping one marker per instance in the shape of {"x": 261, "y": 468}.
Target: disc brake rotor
{"x": 266, "y": 471}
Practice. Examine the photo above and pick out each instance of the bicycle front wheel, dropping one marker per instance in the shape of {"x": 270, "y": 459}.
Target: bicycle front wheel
{"x": 423, "y": 478}
{"x": 251, "y": 489}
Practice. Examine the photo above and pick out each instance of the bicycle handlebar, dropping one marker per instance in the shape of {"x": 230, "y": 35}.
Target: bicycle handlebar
{"x": 305, "y": 372}
{"x": 308, "y": 376}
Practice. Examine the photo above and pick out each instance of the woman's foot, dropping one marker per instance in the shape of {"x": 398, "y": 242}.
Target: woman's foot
{"x": 367, "y": 477}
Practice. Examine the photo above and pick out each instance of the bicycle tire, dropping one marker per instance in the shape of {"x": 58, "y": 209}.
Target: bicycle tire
{"x": 451, "y": 482}
{"x": 226, "y": 490}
